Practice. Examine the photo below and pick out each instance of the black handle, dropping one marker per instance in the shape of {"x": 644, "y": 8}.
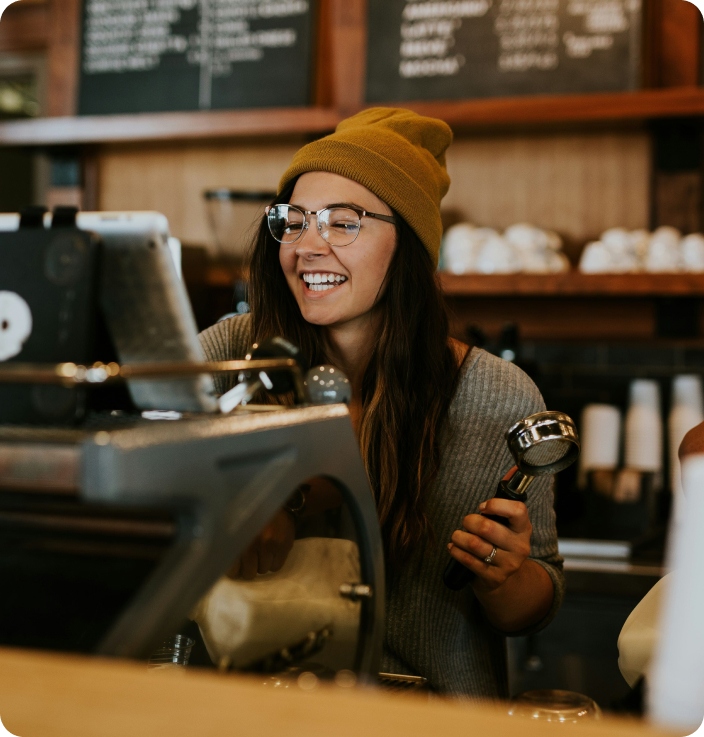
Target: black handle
{"x": 456, "y": 576}
{"x": 279, "y": 348}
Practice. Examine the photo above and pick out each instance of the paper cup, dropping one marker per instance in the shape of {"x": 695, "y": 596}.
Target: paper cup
{"x": 600, "y": 437}
{"x": 643, "y": 439}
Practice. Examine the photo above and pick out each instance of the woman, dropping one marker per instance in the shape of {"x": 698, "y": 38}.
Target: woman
{"x": 344, "y": 267}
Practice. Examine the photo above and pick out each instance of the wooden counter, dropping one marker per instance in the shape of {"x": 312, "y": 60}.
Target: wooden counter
{"x": 43, "y": 695}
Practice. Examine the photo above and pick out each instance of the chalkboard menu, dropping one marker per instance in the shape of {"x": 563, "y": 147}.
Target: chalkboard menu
{"x": 158, "y": 55}
{"x": 445, "y": 49}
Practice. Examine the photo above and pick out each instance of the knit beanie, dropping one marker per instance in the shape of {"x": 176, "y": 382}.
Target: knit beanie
{"x": 396, "y": 154}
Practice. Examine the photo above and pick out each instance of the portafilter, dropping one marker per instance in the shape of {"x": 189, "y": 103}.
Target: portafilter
{"x": 542, "y": 444}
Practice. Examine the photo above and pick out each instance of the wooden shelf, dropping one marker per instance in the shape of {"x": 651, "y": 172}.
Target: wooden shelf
{"x": 168, "y": 126}
{"x": 543, "y": 109}
{"x": 461, "y": 114}
{"x": 570, "y": 284}
{"x": 573, "y": 284}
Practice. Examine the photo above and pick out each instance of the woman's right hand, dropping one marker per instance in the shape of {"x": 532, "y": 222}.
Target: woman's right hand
{"x": 269, "y": 550}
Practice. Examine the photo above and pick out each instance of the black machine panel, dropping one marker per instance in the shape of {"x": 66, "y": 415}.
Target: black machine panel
{"x": 47, "y": 315}
{"x": 151, "y": 55}
{"x": 434, "y": 50}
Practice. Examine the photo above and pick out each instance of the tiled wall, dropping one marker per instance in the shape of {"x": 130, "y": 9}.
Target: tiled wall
{"x": 576, "y": 374}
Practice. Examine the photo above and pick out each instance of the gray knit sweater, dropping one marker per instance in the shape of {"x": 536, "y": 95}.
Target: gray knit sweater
{"x": 430, "y": 630}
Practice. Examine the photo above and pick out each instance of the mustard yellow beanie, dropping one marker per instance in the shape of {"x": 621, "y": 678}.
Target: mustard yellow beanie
{"x": 396, "y": 154}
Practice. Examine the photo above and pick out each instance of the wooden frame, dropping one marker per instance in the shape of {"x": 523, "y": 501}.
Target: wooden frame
{"x": 672, "y": 44}
{"x": 339, "y": 83}
{"x": 63, "y": 56}
{"x": 25, "y": 26}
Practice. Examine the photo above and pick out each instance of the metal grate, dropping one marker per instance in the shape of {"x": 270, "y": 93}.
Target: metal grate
{"x": 547, "y": 452}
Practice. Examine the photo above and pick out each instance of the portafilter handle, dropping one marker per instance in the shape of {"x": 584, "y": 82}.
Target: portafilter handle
{"x": 541, "y": 445}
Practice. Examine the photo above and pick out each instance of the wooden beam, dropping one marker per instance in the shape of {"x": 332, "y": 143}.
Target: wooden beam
{"x": 25, "y": 27}
{"x": 348, "y": 59}
{"x": 322, "y": 62}
{"x": 674, "y": 30}
{"x": 63, "y": 57}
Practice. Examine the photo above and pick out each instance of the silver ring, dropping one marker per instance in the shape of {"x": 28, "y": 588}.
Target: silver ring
{"x": 490, "y": 558}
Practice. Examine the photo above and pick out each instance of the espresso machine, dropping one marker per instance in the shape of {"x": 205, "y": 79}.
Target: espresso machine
{"x": 197, "y": 491}
{"x": 126, "y": 491}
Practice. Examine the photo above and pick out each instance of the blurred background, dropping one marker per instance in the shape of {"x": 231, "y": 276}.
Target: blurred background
{"x": 572, "y": 243}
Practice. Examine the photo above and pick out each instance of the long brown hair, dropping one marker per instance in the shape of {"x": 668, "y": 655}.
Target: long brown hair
{"x": 406, "y": 388}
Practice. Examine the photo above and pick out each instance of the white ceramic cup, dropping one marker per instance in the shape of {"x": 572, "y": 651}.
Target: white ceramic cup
{"x": 497, "y": 256}
{"x": 664, "y": 251}
{"x": 459, "y": 249}
{"x": 692, "y": 252}
{"x": 596, "y": 259}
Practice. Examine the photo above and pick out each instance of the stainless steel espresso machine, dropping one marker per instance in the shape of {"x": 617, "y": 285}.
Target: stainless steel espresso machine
{"x": 127, "y": 491}
{"x": 197, "y": 489}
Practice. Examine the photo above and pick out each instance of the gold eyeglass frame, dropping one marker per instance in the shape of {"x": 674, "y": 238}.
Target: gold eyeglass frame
{"x": 357, "y": 210}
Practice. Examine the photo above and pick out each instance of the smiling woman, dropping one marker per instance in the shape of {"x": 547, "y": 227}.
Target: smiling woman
{"x": 343, "y": 266}
{"x": 350, "y": 251}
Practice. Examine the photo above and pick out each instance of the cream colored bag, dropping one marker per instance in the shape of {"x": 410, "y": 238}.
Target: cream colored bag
{"x": 639, "y": 636}
{"x": 245, "y": 621}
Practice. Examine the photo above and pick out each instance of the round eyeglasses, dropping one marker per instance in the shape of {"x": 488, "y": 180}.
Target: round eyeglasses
{"x": 338, "y": 225}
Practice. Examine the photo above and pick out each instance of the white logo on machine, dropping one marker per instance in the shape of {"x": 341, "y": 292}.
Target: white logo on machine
{"x": 15, "y": 324}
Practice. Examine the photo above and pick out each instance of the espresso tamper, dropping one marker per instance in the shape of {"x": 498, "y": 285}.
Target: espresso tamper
{"x": 541, "y": 445}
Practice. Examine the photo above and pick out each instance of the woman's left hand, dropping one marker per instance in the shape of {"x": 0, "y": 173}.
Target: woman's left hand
{"x": 480, "y": 535}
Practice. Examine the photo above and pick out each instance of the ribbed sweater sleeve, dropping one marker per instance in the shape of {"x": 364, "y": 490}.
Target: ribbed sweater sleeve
{"x": 227, "y": 340}
{"x": 442, "y": 634}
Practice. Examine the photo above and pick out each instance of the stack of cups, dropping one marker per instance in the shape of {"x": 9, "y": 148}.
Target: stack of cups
{"x": 643, "y": 441}
{"x": 687, "y": 412}
{"x": 643, "y": 438}
{"x": 600, "y": 438}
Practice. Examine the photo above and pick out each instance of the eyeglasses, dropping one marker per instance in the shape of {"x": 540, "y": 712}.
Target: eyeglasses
{"x": 339, "y": 226}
